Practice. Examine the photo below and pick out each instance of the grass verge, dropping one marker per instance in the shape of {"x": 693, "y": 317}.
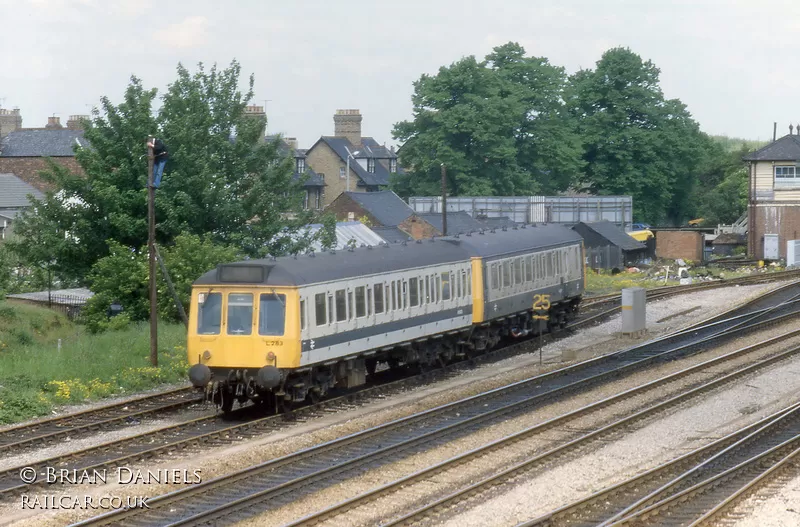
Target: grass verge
{"x": 35, "y": 377}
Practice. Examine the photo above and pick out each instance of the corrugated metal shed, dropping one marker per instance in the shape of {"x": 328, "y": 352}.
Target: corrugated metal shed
{"x": 346, "y": 231}
{"x": 568, "y": 210}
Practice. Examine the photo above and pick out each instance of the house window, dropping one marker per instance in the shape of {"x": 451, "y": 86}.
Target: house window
{"x": 317, "y": 196}
{"x": 305, "y": 200}
{"x": 301, "y": 165}
{"x": 342, "y": 172}
{"x": 786, "y": 176}
{"x": 393, "y": 165}
{"x": 370, "y": 165}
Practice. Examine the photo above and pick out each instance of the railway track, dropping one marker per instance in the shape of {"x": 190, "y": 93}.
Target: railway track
{"x": 213, "y": 430}
{"x": 277, "y": 482}
{"x": 450, "y": 469}
{"x": 114, "y": 416}
{"x": 56, "y": 429}
{"x": 708, "y": 489}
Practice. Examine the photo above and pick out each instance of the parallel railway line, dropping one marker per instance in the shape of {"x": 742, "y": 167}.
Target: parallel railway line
{"x": 271, "y": 484}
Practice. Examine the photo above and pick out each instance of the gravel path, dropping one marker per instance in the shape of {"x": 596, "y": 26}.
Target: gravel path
{"x": 590, "y": 342}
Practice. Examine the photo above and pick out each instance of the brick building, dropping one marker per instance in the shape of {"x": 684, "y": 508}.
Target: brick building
{"x": 370, "y": 163}
{"x": 24, "y": 151}
{"x": 774, "y": 197}
{"x": 314, "y": 184}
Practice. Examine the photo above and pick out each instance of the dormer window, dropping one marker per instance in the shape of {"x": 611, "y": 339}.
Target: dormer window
{"x": 393, "y": 165}
{"x": 370, "y": 165}
{"x": 301, "y": 165}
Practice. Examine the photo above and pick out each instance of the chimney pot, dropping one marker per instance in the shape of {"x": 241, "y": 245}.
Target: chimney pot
{"x": 791, "y": 129}
{"x": 53, "y": 123}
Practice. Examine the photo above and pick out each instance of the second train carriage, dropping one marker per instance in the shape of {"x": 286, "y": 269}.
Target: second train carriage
{"x": 286, "y": 329}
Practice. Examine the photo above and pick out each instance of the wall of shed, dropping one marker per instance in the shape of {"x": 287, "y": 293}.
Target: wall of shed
{"x": 679, "y": 244}
{"x": 781, "y": 219}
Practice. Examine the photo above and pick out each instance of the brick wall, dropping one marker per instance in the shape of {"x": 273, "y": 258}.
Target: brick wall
{"x": 679, "y": 244}
{"x": 325, "y": 161}
{"x": 343, "y": 205}
{"x": 28, "y": 168}
{"x": 772, "y": 219}
{"x": 418, "y": 228}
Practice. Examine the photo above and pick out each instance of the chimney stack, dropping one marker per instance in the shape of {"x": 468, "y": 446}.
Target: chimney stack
{"x": 791, "y": 129}
{"x": 75, "y": 122}
{"x": 10, "y": 120}
{"x": 53, "y": 123}
{"x": 347, "y": 124}
{"x": 291, "y": 141}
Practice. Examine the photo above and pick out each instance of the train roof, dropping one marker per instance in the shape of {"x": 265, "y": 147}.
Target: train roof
{"x": 363, "y": 261}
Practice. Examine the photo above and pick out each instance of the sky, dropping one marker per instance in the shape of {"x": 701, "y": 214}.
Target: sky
{"x": 734, "y": 63}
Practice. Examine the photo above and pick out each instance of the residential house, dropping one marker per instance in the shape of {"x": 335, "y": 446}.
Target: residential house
{"x": 313, "y": 183}
{"x": 774, "y": 197}
{"x": 14, "y": 198}
{"x": 370, "y": 162}
{"x": 24, "y": 151}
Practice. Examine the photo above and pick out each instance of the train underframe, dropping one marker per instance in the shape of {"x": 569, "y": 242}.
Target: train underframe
{"x": 313, "y": 383}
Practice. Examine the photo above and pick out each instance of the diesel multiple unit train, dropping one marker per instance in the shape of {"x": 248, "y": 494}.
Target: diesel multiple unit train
{"x": 276, "y": 331}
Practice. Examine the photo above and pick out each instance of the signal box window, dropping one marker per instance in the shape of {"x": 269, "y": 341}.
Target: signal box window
{"x": 319, "y": 308}
{"x": 240, "y": 313}
{"x": 209, "y": 313}
{"x": 272, "y": 314}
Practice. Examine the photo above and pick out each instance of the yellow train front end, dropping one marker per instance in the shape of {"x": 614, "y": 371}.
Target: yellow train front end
{"x": 242, "y": 340}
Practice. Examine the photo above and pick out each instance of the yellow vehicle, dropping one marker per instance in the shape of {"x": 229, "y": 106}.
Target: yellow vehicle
{"x": 696, "y": 222}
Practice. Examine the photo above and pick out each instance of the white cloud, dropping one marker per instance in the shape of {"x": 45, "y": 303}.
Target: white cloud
{"x": 190, "y": 33}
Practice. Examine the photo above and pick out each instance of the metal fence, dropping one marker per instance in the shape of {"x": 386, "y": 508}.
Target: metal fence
{"x": 69, "y": 305}
{"x": 536, "y": 209}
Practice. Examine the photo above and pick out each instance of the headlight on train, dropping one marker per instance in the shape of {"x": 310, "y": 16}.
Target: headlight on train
{"x": 206, "y": 355}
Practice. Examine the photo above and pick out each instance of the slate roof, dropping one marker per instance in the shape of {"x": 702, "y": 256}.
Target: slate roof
{"x": 498, "y": 223}
{"x": 42, "y": 143}
{"x": 391, "y": 234}
{"x": 14, "y": 192}
{"x": 614, "y": 234}
{"x": 457, "y": 222}
{"x": 314, "y": 179}
{"x": 787, "y": 148}
{"x": 368, "y": 149}
{"x": 365, "y": 261}
{"x": 385, "y": 206}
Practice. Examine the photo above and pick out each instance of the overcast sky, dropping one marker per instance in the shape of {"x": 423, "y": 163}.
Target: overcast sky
{"x": 733, "y": 62}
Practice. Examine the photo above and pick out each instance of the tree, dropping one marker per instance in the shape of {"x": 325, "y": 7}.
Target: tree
{"x": 499, "y": 125}
{"x": 222, "y": 180}
{"x": 636, "y": 142}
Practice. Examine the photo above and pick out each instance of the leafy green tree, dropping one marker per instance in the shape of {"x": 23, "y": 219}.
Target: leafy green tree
{"x": 122, "y": 276}
{"x": 222, "y": 180}
{"x": 498, "y": 125}
{"x": 636, "y": 142}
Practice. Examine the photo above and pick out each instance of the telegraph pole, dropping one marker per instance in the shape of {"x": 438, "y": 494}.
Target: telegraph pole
{"x": 444, "y": 200}
{"x": 151, "y": 249}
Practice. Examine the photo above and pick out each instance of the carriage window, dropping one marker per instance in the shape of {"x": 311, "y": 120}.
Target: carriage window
{"x": 361, "y": 304}
{"x": 529, "y": 268}
{"x": 319, "y": 309}
{"x": 240, "y": 313}
{"x": 405, "y": 294}
{"x": 506, "y": 273}
{"x": 495, "y": 276}
{"x": 548, "y": 265}
{"x": 350, "y": 305}
{"x": 445, "y": 286}
{"x": 458, "y": 286}
{"x": 209, "y": 313}
{"x": 438, "y": 288}
{"x": 394, "y": 295}
{"x": 378, "y": 288}
{"x": 517, "y": 270}
{"x": 464, "y": 283}
{"x": 341, "y": 305}
{"x": 427, "y": 289}
{"x": 272, "y": 314}
{"x": 413, "y": 284}
{"x": 469, "y": 283}
{"x": 302, "y": 314}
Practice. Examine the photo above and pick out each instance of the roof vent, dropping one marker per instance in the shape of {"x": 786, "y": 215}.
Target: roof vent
{"x": 433, "y": 239}
{"x": 504, "y": 228}
{"x": 369, "y": 246}
{"x": 333, "y": 251}
{"x": 493, "y": 231}
{"x": 469, "y": 233}
{"x": 273, "y": 258}
{"x": 386, "y": 244}
{"x": 481, "y": 232}
{"x": 405, "y": 243}
{"x": 515, "y": 228}
{"x": 419, "y": 241}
